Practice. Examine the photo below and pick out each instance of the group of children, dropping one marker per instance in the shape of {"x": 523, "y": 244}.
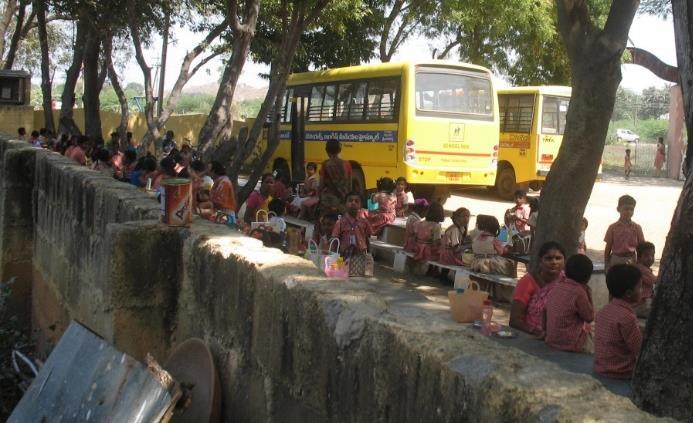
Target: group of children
{"x": 569, "y": 312}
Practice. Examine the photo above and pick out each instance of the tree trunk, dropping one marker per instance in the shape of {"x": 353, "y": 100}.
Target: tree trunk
{"x": 662, "y": 379}
{"x": 16, "y": 36}
{"x": 40, "y": 7}
{"x": 153, "y": 134}
{"x": 5, "y": 20}
{"x": 275, "y": 90}
{"x": 596, "y": 73}
{"x": 122, "y": 99}
{"x": 219, "y": 117}
{"x": 162, "y": 66}
{"x": 92, "y": 105}
{"x": 67, "y": 122}
{"x": 186, "y": 73}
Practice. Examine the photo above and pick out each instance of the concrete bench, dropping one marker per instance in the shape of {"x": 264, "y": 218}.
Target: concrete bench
{"x": 461, "y": 273}
{"x": 394, "y": 234}
{"x": 299, "y": 223}
{"x": 396, "y": 254}
{"x": 493, "y": 281}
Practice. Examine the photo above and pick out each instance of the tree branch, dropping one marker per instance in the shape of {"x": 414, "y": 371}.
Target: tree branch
{"x": 618, "y": 23}
{"x": 16, "y": 36}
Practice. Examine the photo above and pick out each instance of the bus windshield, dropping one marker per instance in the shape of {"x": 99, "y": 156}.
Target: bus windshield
{"x": 553, "y": 115}
{"x": 442, "y": 92}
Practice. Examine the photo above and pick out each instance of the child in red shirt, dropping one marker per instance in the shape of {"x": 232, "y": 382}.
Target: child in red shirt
{"x": 623, "y": 237}
{"x": 617, "y": 336}
{"x": 569, "y": 309}
{"x": 352, "y": 229}
{"x": 646, "y": 257}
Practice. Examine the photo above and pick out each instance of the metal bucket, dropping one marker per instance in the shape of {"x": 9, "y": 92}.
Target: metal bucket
{"x": 176, "y": 202}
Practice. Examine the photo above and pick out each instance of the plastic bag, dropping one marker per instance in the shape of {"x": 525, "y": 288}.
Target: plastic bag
{"x": 336, "y": 267}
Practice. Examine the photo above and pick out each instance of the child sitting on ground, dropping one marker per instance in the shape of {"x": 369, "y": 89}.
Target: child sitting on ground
{"x": 569, "y": 309}
{"x": 488, "y": 249}
{"x": 454, "y": 238}
{"x": 428, "y": 235}
{"x": 352, "y": 229}
{"x": 401, "y": 196}
{"x": 385, "y": 214}
{"x": 203, "y": 200}
{"x": 617, "y": 336}
{"x": 582, "y": 245}
{"x": 417, "y": 215}
{"x": 623, "y": 237}
{"x": 646, "y": 257}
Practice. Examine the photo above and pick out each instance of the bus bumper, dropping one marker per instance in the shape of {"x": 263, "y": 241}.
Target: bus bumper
{"x": 456, "y": 177}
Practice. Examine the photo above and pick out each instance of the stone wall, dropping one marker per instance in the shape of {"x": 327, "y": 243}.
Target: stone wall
{"x": 290, "y": 345}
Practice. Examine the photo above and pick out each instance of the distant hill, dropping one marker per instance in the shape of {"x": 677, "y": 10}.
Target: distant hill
{"x": 243, "y": 91}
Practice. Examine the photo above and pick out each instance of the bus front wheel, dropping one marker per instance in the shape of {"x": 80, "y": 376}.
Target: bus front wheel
{"x": 505, "y": 183}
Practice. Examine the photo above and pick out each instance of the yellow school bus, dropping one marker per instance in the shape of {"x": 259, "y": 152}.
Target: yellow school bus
{"x": 435, "y": 123}
{"x": 532, "y": 122}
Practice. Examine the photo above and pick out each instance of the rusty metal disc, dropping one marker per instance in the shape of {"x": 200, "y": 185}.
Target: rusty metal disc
{"x": 191, "y": 364}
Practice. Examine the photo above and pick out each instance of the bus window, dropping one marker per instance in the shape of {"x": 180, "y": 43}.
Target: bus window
{"x": 382, "y": 99}
{"x": 357, "y": 103}
{"x": 286, "y": 110}
{"x": 453, "y": 93}
{"x": 343, "y": 101}
{"x": 516, "y": 113}
{"x": 553, "y": 115}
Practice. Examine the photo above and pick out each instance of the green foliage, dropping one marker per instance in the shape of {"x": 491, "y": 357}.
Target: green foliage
{"x": 655, "y": 102}
{"x": 661, "y": 8}
{"x": 651, "y": 104}
{"x": 194, "y": 103}
{"x": 649, "y": 130}
{"x": 516, "y": 38}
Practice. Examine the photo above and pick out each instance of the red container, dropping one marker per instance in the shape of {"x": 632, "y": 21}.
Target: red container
{"x": 176, "y": 202}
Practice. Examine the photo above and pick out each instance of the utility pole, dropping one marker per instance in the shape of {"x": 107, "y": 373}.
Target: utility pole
{"x": 162, "y": 73}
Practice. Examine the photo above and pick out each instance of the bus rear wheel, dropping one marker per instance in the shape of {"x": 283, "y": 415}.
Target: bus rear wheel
{"x": 506, "y": 183}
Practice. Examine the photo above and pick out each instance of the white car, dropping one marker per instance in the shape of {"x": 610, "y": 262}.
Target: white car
{"x": 627, "y": 135}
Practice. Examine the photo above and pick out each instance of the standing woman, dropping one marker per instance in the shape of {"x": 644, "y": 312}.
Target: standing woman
{"x": 660, "y": 155}
{"x": 335, "y": 180}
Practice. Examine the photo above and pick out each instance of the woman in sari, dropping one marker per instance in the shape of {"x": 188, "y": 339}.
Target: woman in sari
{"x": 529, "y": 298}
{"x": 335, "y": 180}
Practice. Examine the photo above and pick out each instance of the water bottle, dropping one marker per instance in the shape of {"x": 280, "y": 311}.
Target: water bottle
{"x": 486, "y": 315}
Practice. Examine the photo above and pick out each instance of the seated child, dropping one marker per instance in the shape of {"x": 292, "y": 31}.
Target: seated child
{"x": 488, "y": 249}
{"x": 277, "y": 209}
{"x": 569, "y": 309}
{"x": 623, "y": 237}
{"x": 352, "y": 229}
{"x": 617, "y": 336}
{"x": 417, "y": 215}
{"x": 323, "y": 234}
{"x": 582, "y": 245}
{"x": 517, "y": 215}
{"x": 428, "y": 234}
{"x": 646, "y": 257}
{"x": 454, "y": 238}
{"x": 400, "y": 194}
{"x": 310, "y": 198}
{"x": 203, "y": 200}
{"x": 385, "y": 214}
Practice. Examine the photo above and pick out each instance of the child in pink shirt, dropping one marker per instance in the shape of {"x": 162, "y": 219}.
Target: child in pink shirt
{"x": 623, "y": 236}
{"x": 518, "y": 215}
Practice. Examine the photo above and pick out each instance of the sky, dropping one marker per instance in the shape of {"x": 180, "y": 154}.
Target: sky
{"x": 647, "y": 32}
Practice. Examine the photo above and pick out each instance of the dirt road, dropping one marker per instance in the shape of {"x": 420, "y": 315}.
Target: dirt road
{"x": 656, "y": 200}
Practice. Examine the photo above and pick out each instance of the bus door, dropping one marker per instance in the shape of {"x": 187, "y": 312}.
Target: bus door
{"x": 299, "y": 106}
{"x": 554, "y": 110}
